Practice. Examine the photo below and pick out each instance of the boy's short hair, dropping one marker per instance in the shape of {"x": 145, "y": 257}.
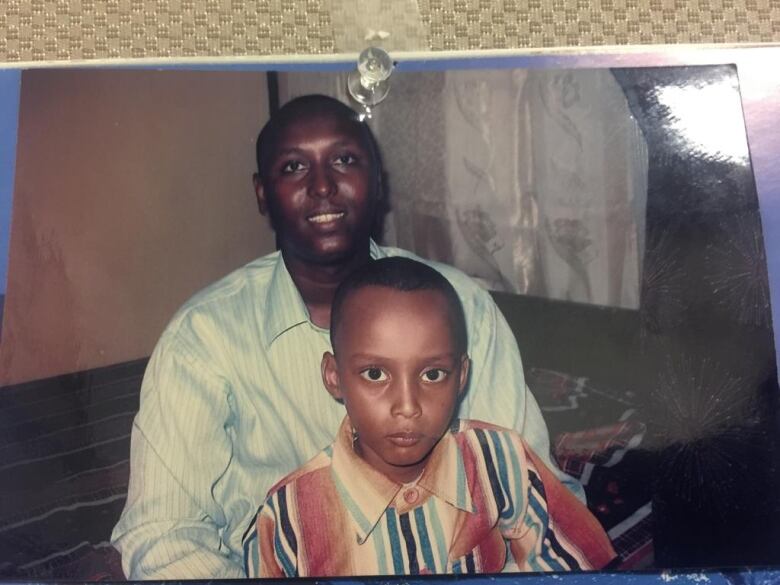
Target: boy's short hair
{"x": 310, "y": 105}
{"x": 406, "y": 275}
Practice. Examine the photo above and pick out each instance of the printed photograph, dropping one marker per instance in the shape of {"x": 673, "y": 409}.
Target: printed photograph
{"x": 507, "y": 320}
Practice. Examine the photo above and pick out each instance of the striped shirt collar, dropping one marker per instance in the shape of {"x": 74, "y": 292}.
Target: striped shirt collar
{"x": 366, "y": 493}
{"x": 287, "y": 307}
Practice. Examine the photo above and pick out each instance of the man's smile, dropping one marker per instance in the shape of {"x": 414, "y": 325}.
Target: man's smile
{"x": 321, "y": 218}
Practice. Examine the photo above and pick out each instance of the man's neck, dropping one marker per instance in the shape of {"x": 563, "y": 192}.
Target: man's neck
{"x": 317, "y": 283}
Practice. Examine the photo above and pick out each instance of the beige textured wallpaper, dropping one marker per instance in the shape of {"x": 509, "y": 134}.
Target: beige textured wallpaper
{"x": 34, "y": 30}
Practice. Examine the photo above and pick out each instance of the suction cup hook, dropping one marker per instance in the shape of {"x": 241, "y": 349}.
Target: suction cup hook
{"x": 368, "y": 85}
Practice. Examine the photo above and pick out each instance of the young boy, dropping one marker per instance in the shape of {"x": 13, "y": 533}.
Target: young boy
{"x": 405, "y": 489}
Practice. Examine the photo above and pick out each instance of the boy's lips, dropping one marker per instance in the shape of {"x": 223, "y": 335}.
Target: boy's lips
{"x": 405, "y": 438}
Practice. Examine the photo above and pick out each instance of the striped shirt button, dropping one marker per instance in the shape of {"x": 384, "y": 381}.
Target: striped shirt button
{"x": 411, "y": 495}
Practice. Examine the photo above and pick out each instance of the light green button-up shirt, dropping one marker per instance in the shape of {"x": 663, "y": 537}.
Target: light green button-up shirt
{"x": 232, "y": 400}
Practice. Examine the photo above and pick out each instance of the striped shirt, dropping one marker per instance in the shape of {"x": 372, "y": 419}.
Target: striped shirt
{"x": 233, "y": 399}
{"x": 483, "y": 503}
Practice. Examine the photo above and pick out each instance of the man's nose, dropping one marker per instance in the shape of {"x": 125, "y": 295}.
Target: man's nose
{"x": 406, "y": 401}
{"x": 321, "y": 182}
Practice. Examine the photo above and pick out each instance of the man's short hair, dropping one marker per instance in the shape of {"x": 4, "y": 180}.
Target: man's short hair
{"x": 310, "y": 105}
{"x": 406, "y": 275}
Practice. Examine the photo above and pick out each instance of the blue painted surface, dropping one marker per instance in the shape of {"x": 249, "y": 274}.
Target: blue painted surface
{"x": 10, "y": 83}
{"x": 744, "y": 577}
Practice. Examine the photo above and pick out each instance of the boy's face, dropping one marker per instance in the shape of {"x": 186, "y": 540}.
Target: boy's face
{"x": 320, "y": 187}
{"x": 399, "y": 374}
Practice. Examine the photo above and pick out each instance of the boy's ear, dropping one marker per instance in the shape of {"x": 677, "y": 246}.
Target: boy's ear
{"x": 465, "y": 364}
{"x": 330, "y": 376}
{"x": 262, "y": 203}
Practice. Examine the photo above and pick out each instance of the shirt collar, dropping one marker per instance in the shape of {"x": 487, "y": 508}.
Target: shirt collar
{"x": 286, "y": 308}
{"x": 366, "y": 493}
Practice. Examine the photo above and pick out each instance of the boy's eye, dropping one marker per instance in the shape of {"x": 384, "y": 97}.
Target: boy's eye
{"x": 292, "y": 166}
{"x": 434, "y": 375}
{"x": 373, "y": 375}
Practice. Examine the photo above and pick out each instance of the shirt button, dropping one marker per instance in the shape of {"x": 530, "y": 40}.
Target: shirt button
{"x": 411, "y": 496}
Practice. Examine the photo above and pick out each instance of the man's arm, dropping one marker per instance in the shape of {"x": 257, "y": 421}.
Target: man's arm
{"x": 497, "y": 391}
{"x": 163, "y": 533}
{"x": 171, "y": 525}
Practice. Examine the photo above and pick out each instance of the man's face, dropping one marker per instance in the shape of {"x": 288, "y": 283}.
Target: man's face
{"x": 399, "y": 374}
{"x": 320, "y": 188}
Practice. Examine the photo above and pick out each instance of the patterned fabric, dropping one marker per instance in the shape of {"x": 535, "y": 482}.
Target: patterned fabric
{"x": 599, "y": 446}
{"x": 232, "y": 400}
{"x": 484, "y": 502}
{"x": 605, "y": 457}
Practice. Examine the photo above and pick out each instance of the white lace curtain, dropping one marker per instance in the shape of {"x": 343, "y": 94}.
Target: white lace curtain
{"x": 532, "y": 181}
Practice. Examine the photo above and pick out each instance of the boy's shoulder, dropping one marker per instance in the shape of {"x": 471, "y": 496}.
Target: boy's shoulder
{"x": 472, "y": 425}
{"x": 492, "y": 442}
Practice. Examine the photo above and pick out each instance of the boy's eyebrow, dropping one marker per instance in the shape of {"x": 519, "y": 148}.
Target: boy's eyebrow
{"x": 435, "y": 357}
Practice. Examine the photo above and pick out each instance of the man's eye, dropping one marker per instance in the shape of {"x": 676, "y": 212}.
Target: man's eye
{"x": 345, "y": 160}
{"x": 292, "y": 166}
{"x": 434, "y": 375}
{"x": 373, "y": 375}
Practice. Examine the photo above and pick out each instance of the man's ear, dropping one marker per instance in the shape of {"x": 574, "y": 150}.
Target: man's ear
{"x": 262, "y": 204}
{"x": 465, "y": 364}
{"x": 330, "y": 376}
{"x": 381, "y": 184}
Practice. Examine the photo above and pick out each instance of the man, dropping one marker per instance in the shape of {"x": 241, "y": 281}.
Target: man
{"x": 231, "y": 400}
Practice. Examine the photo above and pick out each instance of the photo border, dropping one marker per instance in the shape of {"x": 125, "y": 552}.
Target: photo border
{"x": 759, "y": 79}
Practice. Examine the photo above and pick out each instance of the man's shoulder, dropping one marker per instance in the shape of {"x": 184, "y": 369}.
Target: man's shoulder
{"x": 463, "y": 283}
{"x": 238, "y": 288}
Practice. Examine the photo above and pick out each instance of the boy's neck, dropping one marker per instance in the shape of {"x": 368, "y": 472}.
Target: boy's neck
{"x": 401, "y": 475}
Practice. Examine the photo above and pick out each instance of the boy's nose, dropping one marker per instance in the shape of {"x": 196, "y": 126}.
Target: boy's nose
{"x": 407, "y": 401}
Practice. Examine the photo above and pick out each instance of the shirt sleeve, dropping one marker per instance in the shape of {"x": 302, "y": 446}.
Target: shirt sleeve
{"x": 553, "y": 530}
{"x": 497, "y": 391}
{"x": 267, "y": 553}
{"x": 171, "y": 527}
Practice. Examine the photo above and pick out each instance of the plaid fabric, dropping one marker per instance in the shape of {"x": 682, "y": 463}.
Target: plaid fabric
{"x": 577, "y": 452}
{"x": 556, "y": 391}
{"x": 633, "y": 539}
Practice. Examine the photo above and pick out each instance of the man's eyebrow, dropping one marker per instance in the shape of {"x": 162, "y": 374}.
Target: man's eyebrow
{"x": 284, "y": 151}
{"x": 346, "y": 142}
